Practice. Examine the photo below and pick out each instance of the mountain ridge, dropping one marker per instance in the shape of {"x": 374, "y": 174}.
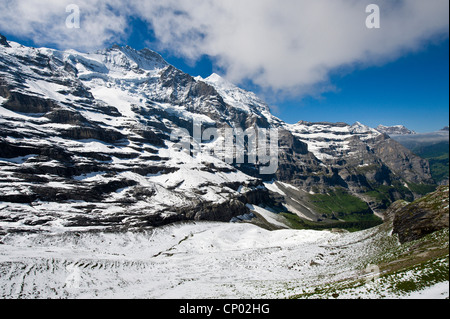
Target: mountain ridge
{"x": 93, "y": 133}
{"x": 395, "y": 130}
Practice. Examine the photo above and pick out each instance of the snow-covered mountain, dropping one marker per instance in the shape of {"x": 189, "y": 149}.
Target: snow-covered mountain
{"x": 395, "y": 130}
{"x": 329, "y": 141}
{"x": 101, "y": 191}
{"x": 87, "y": 139}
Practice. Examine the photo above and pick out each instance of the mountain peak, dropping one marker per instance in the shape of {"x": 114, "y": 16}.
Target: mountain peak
{"x": 395, "y": 130}
{"x": 3, "y": 41}
{"x": 220, "y": 81}
{"x": 144, "y": 59}
{"x": 107, "y": 126}
{"x": 214, "y": 77}
{"x": 360, "y": 126}
{"x": 236, "y": 96}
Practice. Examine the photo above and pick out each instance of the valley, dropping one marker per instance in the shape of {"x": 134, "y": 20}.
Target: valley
{"x": 109, "y": 190}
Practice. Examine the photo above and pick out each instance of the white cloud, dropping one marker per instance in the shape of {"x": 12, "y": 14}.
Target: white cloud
{"x": 288, "y": 46}
{"x": 44, "y": 22}
{"x": 292, "y": 45}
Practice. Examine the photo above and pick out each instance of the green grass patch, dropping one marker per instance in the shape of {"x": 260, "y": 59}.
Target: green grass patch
{"x": 339, "y": 203}
{"x": 405, "y": 269}
{"x": 438, "y": 156}
{"x": 422, "y": 189}
{"x": 382, "y": 194}
{"x": 386, "y": 194}
{"x": 426, "y": 275}
{"x": 340, "y": 210}
{"x": 439, "y": 167}
{"x": 357, "y": 223}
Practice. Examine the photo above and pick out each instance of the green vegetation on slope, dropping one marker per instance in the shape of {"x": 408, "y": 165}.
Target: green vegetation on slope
{"x": 386, "y": 195}
{"x": 438, "y": 156}
{"x": 404, "y": 269}
{"x": 421, "y": 189}
{"x": 340, "y": 209}
{"x": 339, "y": 203}
{"x": 360, "y": 222}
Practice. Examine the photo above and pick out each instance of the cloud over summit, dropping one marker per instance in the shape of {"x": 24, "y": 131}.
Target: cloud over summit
{"x": 288, "y": 46}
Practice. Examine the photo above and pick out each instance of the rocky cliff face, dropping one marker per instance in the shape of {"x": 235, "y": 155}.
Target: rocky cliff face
{"x": 87, "y": 140}
{"x": 415, "y": 220}
{"x": 3, "y": 41}
{"x": 362, "y": 160}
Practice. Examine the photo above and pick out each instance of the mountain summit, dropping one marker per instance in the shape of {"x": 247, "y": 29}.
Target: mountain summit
{"x": 3, "y": 41}
{"x": 394, "y": 130}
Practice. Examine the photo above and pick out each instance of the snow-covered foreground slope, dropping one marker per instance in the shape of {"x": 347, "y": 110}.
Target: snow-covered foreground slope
{"x": 192, "y": 260}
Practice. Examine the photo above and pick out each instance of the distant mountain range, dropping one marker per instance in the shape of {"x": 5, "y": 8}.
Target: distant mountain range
{"x": 402, "y": 130}
{"x": 412, "y": 141}
{"x": 432, "y": 146}
{"x": 394, "y": 130}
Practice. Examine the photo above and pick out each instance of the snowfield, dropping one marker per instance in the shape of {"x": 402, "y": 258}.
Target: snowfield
{"x": 90, "y": 160}
{"x": 190, "y": 260}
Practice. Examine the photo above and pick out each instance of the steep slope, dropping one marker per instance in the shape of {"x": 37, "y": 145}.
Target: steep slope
{"x": 413, "y": 221}
{"x": 100, "y": 152}
{"x": 346, "y": 147}
{"x": 431, "y": 146}
{"x": 85, "y": 141}
{"x": 438, "y": 156}
{"x": 119, "y": 138}
{"x": 359, "y": 159}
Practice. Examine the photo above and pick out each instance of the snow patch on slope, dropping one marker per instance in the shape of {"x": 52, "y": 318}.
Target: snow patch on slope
{"x": 328, "y": 141}
{"x": 194, "y": 260}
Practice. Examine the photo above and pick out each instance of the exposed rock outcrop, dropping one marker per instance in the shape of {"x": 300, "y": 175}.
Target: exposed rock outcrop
{"x": 87, "y": 139}
{"x": 3, "y": 41}
{"x": 414, "y": 220}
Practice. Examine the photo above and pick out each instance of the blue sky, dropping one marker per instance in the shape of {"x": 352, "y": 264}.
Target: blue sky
{"x": 325, "y": 66}
{"x": 412, "y": 90}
